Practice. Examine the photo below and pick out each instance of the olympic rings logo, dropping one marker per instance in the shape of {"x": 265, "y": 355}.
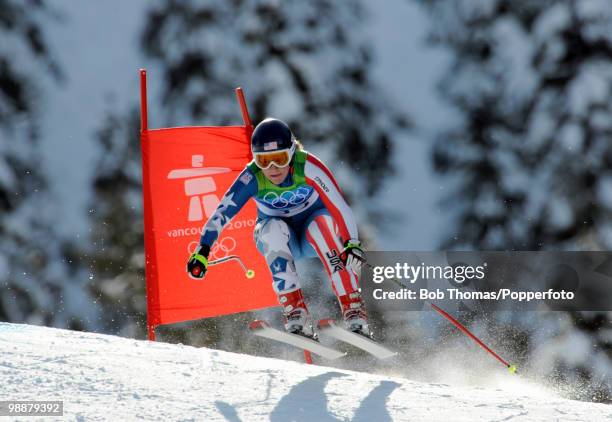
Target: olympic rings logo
{"x": 222, "y": 248}
{"x": 286, "y": 198}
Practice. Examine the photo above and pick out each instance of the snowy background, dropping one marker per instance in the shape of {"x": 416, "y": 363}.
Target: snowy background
{"x": 103, "y": 65}
{"x": 497, "y": 116}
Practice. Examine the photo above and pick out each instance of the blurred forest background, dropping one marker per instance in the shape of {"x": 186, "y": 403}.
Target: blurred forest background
{"x": 522, "y": 156}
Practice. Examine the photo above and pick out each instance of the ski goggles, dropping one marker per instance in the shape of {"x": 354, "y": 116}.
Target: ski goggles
{"x": 281, "y": 158}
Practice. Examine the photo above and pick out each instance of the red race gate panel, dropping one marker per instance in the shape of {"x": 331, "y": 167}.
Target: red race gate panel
{"x": 186, "y": 171}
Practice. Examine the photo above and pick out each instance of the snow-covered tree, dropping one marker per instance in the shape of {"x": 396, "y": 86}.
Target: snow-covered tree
{"x": 530, "y": 152}
{"x": 116, "y": 255}
{"x": 304, "y": 62}
{"x": 532, "y": 85}
{"x": 35, "y": 280}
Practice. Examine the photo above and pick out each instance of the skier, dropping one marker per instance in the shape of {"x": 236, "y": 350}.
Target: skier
{"x": 301, "y": 213}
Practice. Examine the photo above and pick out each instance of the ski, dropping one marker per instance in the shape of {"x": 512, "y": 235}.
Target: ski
{"x": 263, "y": 329}
{"x": 329, "y": 327}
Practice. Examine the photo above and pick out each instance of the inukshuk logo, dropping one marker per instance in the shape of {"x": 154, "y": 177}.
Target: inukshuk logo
{"x": 200, "y": 187}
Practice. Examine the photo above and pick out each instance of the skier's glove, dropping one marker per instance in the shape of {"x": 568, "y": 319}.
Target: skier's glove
{"x": 353, "y": 255}
{"x": 198, "y": 262}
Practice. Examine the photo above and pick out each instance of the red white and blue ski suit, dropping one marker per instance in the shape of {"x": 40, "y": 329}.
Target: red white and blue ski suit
{"x": 305, "y": 216}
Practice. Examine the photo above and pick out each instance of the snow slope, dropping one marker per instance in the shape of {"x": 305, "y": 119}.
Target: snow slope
{"x": 102, "y": 377}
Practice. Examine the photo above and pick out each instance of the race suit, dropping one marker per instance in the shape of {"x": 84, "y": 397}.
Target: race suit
{"x": 305, "y": 216}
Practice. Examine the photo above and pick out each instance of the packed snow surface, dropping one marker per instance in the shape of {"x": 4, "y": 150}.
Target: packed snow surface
{"x": 103, "y": 377}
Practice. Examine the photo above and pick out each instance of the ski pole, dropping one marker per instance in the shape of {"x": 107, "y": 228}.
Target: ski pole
{"x": 461, "y": 327}
{"x": 249, "y": 273}
{"x": 511, "y": 368}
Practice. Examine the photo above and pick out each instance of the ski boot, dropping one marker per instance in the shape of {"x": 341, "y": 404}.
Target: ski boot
{"x": 297, "y": 318}
{"x": 354, "y": 314}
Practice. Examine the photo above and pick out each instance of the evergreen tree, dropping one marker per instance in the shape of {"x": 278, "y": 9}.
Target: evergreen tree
{"x": 303, "y": 62}
{"x": 117, "y": 255}
{"x": 531, "y": 82}
{"x": 36, "y": 283}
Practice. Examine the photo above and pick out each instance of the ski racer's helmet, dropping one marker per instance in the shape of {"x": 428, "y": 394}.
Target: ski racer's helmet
{"x": 272, "y": 142}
